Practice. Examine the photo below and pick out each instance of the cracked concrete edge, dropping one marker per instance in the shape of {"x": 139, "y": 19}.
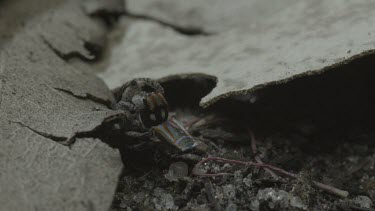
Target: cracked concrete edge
{"x": 335, "y": 66}
{"x": 27, "y": 60}
{"x": 289, "y": 44}
{"x": 88, "y": 96}
{"x": 87, "y": 132}
{"x": 65, "y": 31}
{"x": 37, "y": 172}
{"x": 212, "y": 101}
{"x": 28, "y": 97}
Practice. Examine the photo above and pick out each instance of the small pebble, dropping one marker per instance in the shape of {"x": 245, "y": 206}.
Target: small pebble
{"x": 229, "y": 191}
{"x": 176, "y": 171}
{"x": 363, "y": 201}
{"x": 231, "y": 207}
{"x": 296, "y": 201}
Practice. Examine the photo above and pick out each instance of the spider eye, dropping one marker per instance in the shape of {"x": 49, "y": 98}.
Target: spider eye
{"x": 164, "y": 115}
{"x": 152, "y": 117}
{"x": 155, "y": 110}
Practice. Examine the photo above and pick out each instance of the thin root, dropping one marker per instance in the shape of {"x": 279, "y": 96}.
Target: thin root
{"x": 202, "y": 121}
{"x": 255, "y": 152}
{"x": 327, "y": 188}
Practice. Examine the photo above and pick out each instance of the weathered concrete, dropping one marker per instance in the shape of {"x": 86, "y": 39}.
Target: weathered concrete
{"x": 255, "y": 43}
{"x": 45, "y": 100}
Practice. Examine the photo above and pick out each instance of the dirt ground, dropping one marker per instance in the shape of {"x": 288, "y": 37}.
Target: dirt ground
{"x": 156, "y": 180}
{"x": 302, "y": 144}
{"x": 319, "y": 130}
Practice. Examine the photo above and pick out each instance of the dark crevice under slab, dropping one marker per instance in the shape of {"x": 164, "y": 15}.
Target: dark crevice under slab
{"x": 339, "y": 100}
{"x": 187, "y": 90}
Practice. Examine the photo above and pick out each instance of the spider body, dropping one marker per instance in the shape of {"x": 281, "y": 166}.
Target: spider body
{"x": 143, "y": 102}
{"x": 147, "y": 118}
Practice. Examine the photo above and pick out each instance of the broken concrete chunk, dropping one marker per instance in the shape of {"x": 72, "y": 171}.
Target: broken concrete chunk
{"x": 286, "y": 41}
{"x": 44, "y": 101}
{"x": 39, "y": 174}
{"x": 32, "y": 92}
{"x": 13, "y": 16}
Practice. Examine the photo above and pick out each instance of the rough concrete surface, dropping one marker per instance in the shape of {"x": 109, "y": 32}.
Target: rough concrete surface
{"x": 254, "y": 43}
{"x": 44, "y": 101}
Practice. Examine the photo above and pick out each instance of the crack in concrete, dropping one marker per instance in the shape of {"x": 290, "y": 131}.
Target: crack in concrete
{"x": 58, "y": 139}
{"x": 184, "y": 30}
{"x": 88, "y": 96}
{"x": 99, "y": 132}
{"x": 1, "y": 78}
{"x": 95, "y": 133}
{"x": 91, "y": 47}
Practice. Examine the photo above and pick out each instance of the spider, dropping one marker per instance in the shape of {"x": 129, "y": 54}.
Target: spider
{"x": 146, "y": 109}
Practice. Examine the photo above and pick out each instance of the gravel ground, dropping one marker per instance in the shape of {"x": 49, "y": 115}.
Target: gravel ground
{"x": 159, "y": 179}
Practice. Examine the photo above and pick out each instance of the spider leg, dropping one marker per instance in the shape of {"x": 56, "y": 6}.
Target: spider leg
{"x": 126, "y": 106}
{"x": 140, "y": 135}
